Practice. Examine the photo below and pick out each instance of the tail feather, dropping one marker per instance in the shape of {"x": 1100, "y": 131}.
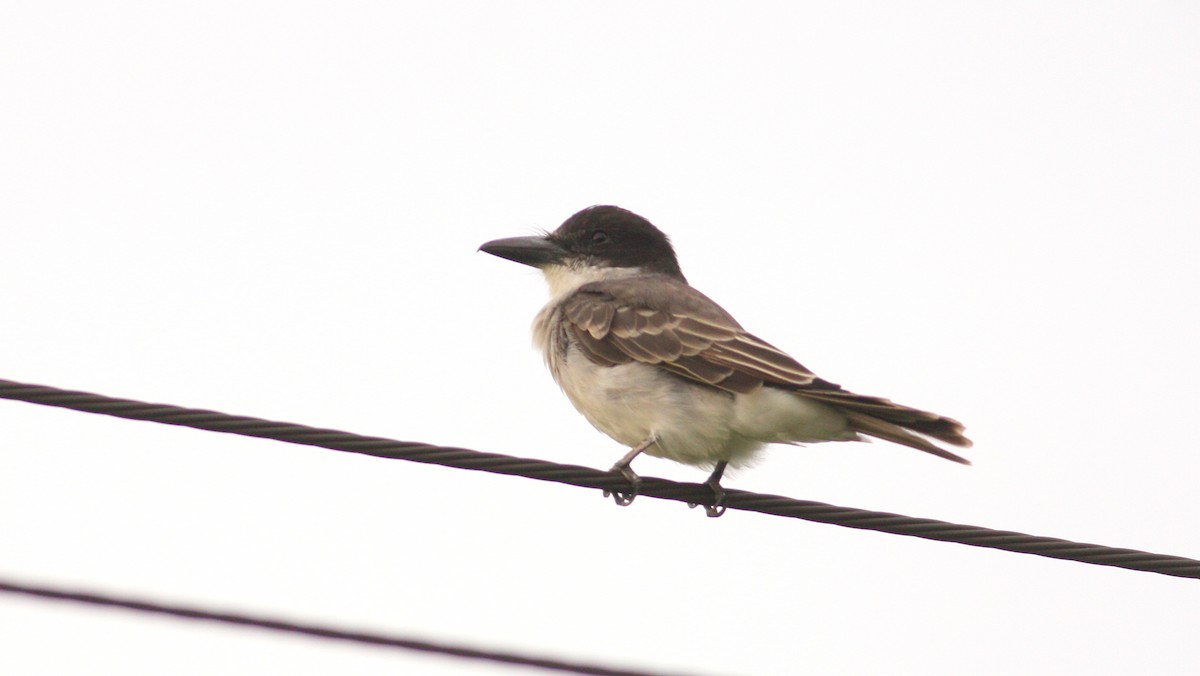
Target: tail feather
{"x": 884, "y": 419}
{"x": 881, "y": 429}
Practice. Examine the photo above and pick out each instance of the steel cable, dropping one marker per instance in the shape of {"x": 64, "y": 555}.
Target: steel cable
{"x": 314, "y": 630}
{"x": 929, "y": 529}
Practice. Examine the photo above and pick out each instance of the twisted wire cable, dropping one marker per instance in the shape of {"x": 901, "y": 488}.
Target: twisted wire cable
{"x": 897, "y": 524}
{"x": 313, "y": 630}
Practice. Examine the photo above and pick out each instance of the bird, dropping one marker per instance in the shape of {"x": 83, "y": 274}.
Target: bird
{"x": 664, "y": 370}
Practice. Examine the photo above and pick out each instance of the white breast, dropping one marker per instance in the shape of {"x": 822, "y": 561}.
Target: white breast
{"x": 633, "y": 402}
{"x": 693, "y": 424}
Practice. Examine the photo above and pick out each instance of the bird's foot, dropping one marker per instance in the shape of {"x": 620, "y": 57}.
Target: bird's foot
{"x": 624, "y": 498}
{"x": 717, "y": 508}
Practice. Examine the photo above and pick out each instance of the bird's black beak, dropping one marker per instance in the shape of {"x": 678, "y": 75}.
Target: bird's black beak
{"x": 535, "y": 251}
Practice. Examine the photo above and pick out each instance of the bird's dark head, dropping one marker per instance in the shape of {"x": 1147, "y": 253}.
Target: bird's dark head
{"x": 599, "y": 237}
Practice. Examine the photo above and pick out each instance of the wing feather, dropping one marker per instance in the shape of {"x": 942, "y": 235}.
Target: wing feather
{"x": 600, "y": 350}
{"x": 666, "y": 323}
{"x": 747, "y": 352}
{"x": 680, "y": 330}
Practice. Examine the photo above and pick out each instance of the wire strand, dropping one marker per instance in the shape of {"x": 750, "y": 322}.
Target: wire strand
{"x": 586, "y": 477}
{"x": 313, "y": 630}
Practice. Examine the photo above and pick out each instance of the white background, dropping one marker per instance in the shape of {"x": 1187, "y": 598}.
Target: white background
{"x": 273, "y": 209}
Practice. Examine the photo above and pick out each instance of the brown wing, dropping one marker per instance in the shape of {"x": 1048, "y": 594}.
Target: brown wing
{"x": 673, "y": 326}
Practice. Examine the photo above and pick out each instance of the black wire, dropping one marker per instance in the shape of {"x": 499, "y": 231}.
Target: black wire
{"x": 586, "y": 477}
{"x": 315, "y": 630}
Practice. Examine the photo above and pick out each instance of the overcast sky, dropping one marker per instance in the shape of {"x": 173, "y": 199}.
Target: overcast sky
{"x": 990, "y": 210}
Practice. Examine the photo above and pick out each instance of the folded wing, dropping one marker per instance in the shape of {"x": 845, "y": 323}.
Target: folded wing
{"x": 671, "y": 325}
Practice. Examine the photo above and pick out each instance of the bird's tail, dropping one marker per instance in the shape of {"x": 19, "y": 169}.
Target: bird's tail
{"x": 883, "y": 419}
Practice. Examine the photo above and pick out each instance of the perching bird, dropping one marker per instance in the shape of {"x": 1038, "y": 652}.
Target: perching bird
{"x": 661, "y": 368}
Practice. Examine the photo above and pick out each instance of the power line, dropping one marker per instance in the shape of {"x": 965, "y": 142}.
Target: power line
{"x": 314, "y": 630}
{"x": 587, "y": 477}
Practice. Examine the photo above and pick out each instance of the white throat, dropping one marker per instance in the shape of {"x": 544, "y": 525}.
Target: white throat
{"x": 564, "y": 279}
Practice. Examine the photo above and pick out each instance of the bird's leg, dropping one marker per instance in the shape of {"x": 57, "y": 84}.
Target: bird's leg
{"x": 634, "y": 480}
{"x": 714, "y": 482}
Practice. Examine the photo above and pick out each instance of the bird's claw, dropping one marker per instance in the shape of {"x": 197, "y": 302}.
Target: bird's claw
{"x": 623, "y": 498}
{"x": 717, "y": 508}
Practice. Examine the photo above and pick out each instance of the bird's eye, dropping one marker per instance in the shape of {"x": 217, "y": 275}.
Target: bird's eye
{"x": 599, "y": 237}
